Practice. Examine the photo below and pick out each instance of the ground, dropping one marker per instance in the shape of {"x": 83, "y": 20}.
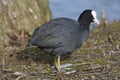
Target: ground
{"x": 97, "y": 59}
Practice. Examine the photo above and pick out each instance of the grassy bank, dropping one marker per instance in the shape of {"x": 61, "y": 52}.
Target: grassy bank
{"x": 97, "y": 59}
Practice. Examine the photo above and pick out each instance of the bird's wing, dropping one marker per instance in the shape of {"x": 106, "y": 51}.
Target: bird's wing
{"x": 48, "y": 35}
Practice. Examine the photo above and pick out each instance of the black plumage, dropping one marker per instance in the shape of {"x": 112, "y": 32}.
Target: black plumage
{"x": 62, "y": 35}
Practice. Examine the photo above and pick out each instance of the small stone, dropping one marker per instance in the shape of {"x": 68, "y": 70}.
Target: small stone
{"x": 30, "y": 10}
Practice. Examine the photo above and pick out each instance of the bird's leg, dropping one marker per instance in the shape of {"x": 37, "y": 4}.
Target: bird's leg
{"x": 58, "y": 60}
{"x": 57, "y": 63}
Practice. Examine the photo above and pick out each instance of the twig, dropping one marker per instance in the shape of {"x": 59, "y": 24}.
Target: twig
{"x": 20, "y": 75}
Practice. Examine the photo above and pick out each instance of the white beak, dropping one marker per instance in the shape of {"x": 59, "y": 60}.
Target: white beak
{"x": 96, "y": 21}
{"x": 94, "y": 24}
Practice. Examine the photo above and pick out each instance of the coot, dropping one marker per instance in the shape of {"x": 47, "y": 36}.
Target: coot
{"x": 63, "y": 35}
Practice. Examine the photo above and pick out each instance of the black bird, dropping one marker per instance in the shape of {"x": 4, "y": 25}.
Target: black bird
{"x": 63, "y": 35}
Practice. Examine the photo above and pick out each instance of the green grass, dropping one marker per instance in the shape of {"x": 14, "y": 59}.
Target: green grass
{"x": 97, "y": 59}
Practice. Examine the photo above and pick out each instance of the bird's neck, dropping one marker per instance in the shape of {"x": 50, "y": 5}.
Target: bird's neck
{"x": 84, "y": 24}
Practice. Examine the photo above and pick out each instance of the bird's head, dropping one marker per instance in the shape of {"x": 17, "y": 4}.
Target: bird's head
{"x": 89, "y": 17}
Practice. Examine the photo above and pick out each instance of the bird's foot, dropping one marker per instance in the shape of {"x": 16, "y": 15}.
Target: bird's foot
{"x": 67, "y": 68}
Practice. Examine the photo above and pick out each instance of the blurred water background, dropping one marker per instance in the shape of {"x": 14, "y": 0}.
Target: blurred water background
{"x": 73, "y": 8}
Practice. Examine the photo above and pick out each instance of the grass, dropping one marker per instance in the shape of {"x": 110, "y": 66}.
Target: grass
{"x": 97, "y": 59}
